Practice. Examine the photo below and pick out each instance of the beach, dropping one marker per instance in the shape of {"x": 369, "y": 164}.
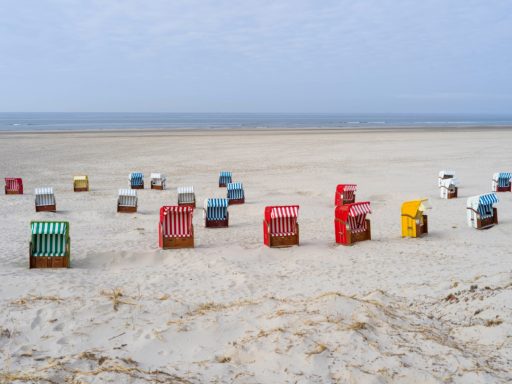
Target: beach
{"x": 391, "y": 310}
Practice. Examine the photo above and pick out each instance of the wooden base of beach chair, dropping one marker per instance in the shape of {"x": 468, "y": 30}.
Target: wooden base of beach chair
{"x": 81, "y": 189}
{"x": 488, "y": 222}
{"x": 284, "y": 241}
{"x": 158, "y": 187}
{"x": 9, "y": 192}
{"x": 216, "y": 223}
{"x": 236, "y": 201}
{"x": 192, "y": 205}
{"x": 49, "y": 262}
{"x": 452, "y": 194}
{"x": 222, "y": 185}
{"x": 504, "y": 189}
{"x": 138, "y": 186}
{"x": 125, "y": 209}
{"x": 46, "y": 208}
{"x": 352, "y": 238}
{"x": 177, "y": 242}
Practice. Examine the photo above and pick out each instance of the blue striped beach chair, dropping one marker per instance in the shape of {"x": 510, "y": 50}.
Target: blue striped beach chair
{"x": 481, "y": 212}
{"x": 127, "y": 201}
{"x": 501, "y": 182}
{"x": 236, "y": 193}
{"x": 216, "y": 213}
{"x": 186, "y": 197}
{"x": 225, "y": 177}
{"x": 45, "y": 200}
{"x": 49, "y": 245}
{"x": 136, "y": 180}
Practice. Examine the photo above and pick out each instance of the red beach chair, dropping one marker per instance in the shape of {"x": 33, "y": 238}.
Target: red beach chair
{"x": 351, "y": 224}
{"x": 345, "y": 194}
{"x": 175, "y": 229}
{"x": 13, "y": 186}
{"x": 280, "y": 227}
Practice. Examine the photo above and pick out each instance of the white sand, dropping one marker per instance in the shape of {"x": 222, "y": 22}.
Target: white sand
{"x": 233, "y": 310}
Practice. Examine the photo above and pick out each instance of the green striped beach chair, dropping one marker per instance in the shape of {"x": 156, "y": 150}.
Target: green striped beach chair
{"x": 49, "y": 244}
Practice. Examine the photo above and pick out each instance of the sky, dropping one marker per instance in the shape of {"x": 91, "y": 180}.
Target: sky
{"x": 359, "y": 56}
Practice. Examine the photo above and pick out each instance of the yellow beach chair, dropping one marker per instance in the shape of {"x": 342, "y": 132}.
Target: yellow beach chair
{"x": 80, "y": 183}
{"x": 414, "y": 221}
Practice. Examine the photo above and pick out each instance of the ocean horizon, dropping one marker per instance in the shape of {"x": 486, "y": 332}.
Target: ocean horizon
{"x": 97, "y": 121}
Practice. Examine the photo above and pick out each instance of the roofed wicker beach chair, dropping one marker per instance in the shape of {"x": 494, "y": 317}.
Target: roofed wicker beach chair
{"x": 414, "y": 220}
{"x": 444, "y": 175}
{"x": 158, "y": 181}
{"x": 448, "y": 188}
{"x": 186, "y": 197}
{"x": 81, "y": 183}
{"x": 501, "y": 182}
{"x": 280, "y": 226}
{"x": 236, "y": 193}
{"x": 45, "y": 200}
{"x": 225, "y": 177}
{"x": 345, "y": 194}
{"x": 351, "y": 224}
{"x": 481, "y": 213}
{"x": 136, "y": 180}
{"x": 127, "y": 201}
{"x": 216, "y": 213}
{"x": 13, "y": 186}
{"x": 49, "y": 244}
{"x": 175, "y": 229}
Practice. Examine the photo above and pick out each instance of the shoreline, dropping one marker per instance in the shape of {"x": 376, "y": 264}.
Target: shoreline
{"x": 253, "y": 131}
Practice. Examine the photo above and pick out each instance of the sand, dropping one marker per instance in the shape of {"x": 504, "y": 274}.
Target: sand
{"x": 390, "y": 310}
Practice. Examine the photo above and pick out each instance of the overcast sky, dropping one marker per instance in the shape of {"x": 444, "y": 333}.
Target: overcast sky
{"x": 256, "y": 56}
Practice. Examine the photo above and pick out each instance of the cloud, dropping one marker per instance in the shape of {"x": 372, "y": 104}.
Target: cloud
{"x": 370, "y": 49}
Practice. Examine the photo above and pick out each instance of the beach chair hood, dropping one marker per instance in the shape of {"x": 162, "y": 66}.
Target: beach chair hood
{"x": 282, "y": 220}
{"x": 415, "y": 208}
{"x": 235, "y": 190}
{"x": 176, "y": 221}
{"x": 49, "y": 238}
{"x": 127, "y": 197}
{"x": 354, "y": 215}
{"x": 44, "y": 196}
{"x": 215, "y": 209}
{"x": 344, "y": 192}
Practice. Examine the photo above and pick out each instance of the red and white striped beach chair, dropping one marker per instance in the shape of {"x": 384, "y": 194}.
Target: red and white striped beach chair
{"x": 280, "y": 226}
{"x": 345, "y": 194}
{"x": 13, "y": 186}
{"x": 175, "y": 229}
{"x": 351, "y": 224}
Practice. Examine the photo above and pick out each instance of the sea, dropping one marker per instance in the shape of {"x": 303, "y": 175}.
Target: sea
{"x": 92, "y": 121}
